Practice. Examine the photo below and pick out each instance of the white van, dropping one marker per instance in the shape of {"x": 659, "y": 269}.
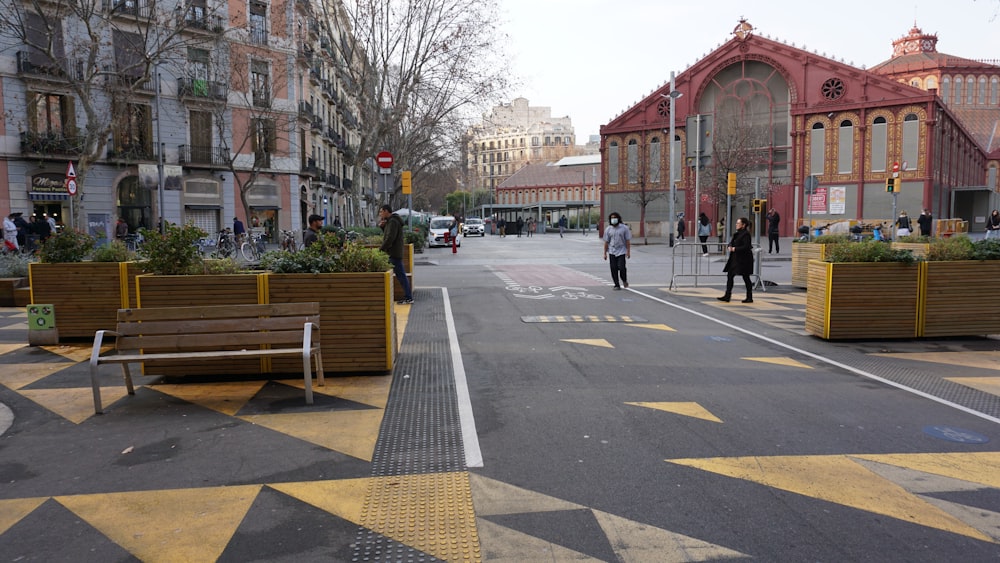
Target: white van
{"x": 439, "y": 225}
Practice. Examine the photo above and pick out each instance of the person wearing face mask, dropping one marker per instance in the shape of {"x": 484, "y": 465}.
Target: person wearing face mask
{"x": 617, "y": 243}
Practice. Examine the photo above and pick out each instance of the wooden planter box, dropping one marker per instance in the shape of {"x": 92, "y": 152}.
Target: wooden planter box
{"x": 357, "y": 321}
{"x": 918, "y": 249}
{"x": 960, "y": 298}
{"x": 86, "y": 295}
{"x": 802, "y": 253}
{"x": 7, "y": 287}
{"x": 185, "y": 291}
{"x": 863, "y": 300}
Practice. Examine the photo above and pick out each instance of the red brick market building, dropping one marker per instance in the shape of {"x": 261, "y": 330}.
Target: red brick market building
{"x": 815, "y": 136}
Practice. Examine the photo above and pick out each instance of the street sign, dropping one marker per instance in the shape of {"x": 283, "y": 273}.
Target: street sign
{"x": 384, "y": 159}
{"x": 895, "y": 166}
{"x": 70, "y": 171}
{"x": 71, "y": 186}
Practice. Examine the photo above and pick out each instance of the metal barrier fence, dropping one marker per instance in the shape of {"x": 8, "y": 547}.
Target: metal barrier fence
{"x": 688, "y": 260}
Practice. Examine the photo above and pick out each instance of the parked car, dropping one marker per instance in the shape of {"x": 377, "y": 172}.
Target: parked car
{"x": 438, "y": 226}
{"x": 474, "y": 226}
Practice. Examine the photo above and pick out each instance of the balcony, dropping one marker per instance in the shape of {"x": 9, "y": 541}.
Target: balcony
{"x": 348, "y": 184}
{"x": 262, "y": 97}
{"x": 131, "y": 152}
{"x": 195, "y": 19}
{"x": 198, "y": 88}
{"x": 261, "y": 159}
{"x": 306, "y": 111}
{"x": 119, "y": 79}
{"x": 50, "y": 144}
{"x": 207, "y": 156}
{"x": 317, "y": 124}
{"x": 144, "y": 9}
{"x": 309, "y": 167}
{"x": 35, "y": 64}
{"x": 257, "y": 36}
{"x": 315, "y": 76}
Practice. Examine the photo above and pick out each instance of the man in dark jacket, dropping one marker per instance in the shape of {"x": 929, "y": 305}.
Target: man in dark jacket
{"x": 740, "y": 260}
{"x": 392, "y": 244}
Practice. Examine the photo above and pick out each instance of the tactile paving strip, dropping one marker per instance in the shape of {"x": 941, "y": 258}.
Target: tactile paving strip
{"x": 419, "y": 505}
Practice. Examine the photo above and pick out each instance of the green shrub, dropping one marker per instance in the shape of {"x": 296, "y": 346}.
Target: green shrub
{"x": 415, "y": 237}
{"x": 919, "y": 239}
{"x": 300, "y": 262}
{"x": 867, "y": 251}
{"x": 173, "y": 253}
{"x": 832, "y": 239}
{"x": 954, "y": 248}
{"x": 221, "y": 266}
{"x": 67, "y": 246}
{"x": 357, "y": 258}
{"x": 115, "y": 251}
{"x": 14, "y": 265}
{"x": 986, "y": 249}
{"x": 325, "y": 257}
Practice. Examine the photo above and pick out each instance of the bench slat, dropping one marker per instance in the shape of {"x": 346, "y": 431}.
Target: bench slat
{"x": 210, "y": 326}
{"x": 136, "y": 358}
{"x": 222, "y": 340}
{"x": 218, "y": 312}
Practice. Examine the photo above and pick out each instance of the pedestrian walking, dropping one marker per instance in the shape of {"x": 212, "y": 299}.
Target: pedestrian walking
{"x": 563, "y": 223}
{"x": 520, "y": 225}
{"x": 392, "y": 244}
{"x": 680, "y": 226}
{"x": 773, "y": 228}
{"x": 502, "y": 227}
{"x": 239, "y": 230}
{"x": 312, "y": 233}
{"x": 530, "y": 226}
{"x": 10, "y": 234}
{"x": 925, "y": 222}
{"x": 740, "y": 260}
{"x": 617, "y": 244}
{"x": 903, "y": 225}
{"x": 704, "y": 231}
{"x": 121, "y": 229}
{"x": 993, "y": 225}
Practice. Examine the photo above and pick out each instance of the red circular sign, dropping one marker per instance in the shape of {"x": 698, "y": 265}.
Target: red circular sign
{"x": 895, "y": 167}
{"x": 384, "y": 159}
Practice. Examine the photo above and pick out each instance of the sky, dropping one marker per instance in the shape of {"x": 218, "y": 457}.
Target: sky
{"x": 591, "y": 60}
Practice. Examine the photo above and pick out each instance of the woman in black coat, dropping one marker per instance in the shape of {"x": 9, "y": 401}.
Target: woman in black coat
{"x": 740, "y": 260}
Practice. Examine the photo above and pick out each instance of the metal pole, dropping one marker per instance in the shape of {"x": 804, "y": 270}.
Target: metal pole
{"x": 673, "y": 187}
{"x": 697, "y": 164}
{"x": 159, "y": 158}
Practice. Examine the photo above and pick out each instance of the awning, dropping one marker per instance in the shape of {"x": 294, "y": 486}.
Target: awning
{"x": 265, "y": 207}
{"x": 203, "y": 207}
{"x": 42, "y": 196}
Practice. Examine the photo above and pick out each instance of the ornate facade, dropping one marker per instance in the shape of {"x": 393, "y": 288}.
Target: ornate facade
{"x": 814, "y": 136}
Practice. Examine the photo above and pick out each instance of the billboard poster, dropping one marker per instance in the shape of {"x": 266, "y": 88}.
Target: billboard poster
{"x": 838, "y": 200}
{"x": 817, "y": 202}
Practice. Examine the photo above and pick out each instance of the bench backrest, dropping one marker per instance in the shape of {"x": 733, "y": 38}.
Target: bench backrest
{"x": 174, "y": 329}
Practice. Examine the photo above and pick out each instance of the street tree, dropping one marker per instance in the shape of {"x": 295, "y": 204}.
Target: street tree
{"x": 740, "y": 144}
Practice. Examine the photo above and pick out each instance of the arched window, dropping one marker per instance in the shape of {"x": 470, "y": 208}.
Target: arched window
{"x": 633, "y": 162}
{"x": 930, "y": 83}
{"x": 982, "y": 91}
{"x": 613, "y": 163}
{"x": 911, "y": 140}
{"x": 945, "y": 89}
{"x": 957, "y": 97}
{"x": 654, "y": 160}
{"x": 817, "y": 149}
{"x": 845, "y": 147}
{"x": 880, "y": 137}
{"x": 993, "y": 91}
{"x": 970, "y": 90}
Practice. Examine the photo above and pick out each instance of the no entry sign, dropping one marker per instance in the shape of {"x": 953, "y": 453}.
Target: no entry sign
{"x": 384, "y": 159}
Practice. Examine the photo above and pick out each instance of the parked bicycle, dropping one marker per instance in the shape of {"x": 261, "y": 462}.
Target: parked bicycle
{"x": 288, "y": 241}
{"x": 225, "y": 244}
{"x": 253, "y": 247}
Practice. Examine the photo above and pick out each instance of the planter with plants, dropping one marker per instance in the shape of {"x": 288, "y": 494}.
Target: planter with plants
{"x": 354, "y": 286}
{"x": 13, "y": 276}
{"x": 85, "y": 294}
{"x": 916, "y": 244}
{"x": 959, "y": 282}
{"x": 864, "y": 290}
{"x": 803, "y": 252}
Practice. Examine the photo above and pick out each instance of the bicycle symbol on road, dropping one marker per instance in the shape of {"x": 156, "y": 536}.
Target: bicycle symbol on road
{"x": 566, "y": 292}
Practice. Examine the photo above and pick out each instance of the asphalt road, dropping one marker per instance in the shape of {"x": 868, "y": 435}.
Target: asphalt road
{"x": 648, "y": 424}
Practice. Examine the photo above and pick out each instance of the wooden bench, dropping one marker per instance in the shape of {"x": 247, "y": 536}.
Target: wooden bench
{"x": 221, "y": 331}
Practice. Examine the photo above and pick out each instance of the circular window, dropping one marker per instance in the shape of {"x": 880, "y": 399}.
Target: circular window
{"x": 833, "y": 88}
{"x": 663, "y": 108}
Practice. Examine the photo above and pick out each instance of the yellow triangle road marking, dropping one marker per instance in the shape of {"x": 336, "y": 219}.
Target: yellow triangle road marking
{"x": 171, "y": 525}
{"x": 653, "y": 326}
{"x": 781, "y": 361}
{"x": 589, "y": 342}
{"x": 344, "y": 497}
{"x": 634, "y": 541}
{"x": 75, "y": 404}
{"x": 506, "y": 544}
{"x": 492, "y": 497}
{"x": 227, "y": 398}
{"x": 976, "y": 467}
{"x": 355, "y": 435}
{"x": 76, "y": 353}
{"x": 981, "y": 359}
{"x": 838, "y": 479}
{"x": 368, "y": 390}
{"x": 687, "y": 409}
{"x": 4, "y": 348}
{"x": 11, "y": 511}
{"x": 989, "y": 385}
{"x": 16, "y": 376}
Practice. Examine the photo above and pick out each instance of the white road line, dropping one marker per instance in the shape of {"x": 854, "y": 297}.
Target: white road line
{"x": 470, "y": 438}
{"x": 820, "y": 358}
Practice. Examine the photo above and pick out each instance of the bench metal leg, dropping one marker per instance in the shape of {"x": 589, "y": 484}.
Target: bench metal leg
{"x": 97, "y": 388}
{"x": 128, "y": 378}
{"x": 307, "y": 377}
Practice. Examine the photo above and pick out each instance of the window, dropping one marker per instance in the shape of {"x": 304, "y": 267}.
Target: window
{"x": 970, "y": 90}
{"x": 613, "y": 163}
{"x": 41, "y": 55}
{"x": 931, "y": 83}
{"x": 51, "y": 114}
{"x": 993, "y": 91}
{"x": 911, "y": 140}
{"x": 201, "y": 136}
{"x": 633, "y": 162}
{"x": 945, "y": 92}
{"x": 196, "y": 14}
{"x": 260, "y": 83}
{"x": 258, "y": 23}
{"x": 982, "y": 91}
{"x": 130, "y": 54}
{"x": 957, "y": 99}
{"x": 817, "y": 149}
{"x": 133, "y": 132}
{"x": 880, "y": 131}
{"x": 264, "y": 142}
{"x": 845, "y": 148}
{"x": 654, "y": 161}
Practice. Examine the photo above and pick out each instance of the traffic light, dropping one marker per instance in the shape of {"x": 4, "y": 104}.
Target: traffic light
{"x": 407, "y": 186}
{"x": 758, "y": 205}
{"x": 890, "y": 185}
{"x": 731, "y": 183}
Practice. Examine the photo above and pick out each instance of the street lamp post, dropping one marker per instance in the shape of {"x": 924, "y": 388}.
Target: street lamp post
{"x": 673, "y": 95}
